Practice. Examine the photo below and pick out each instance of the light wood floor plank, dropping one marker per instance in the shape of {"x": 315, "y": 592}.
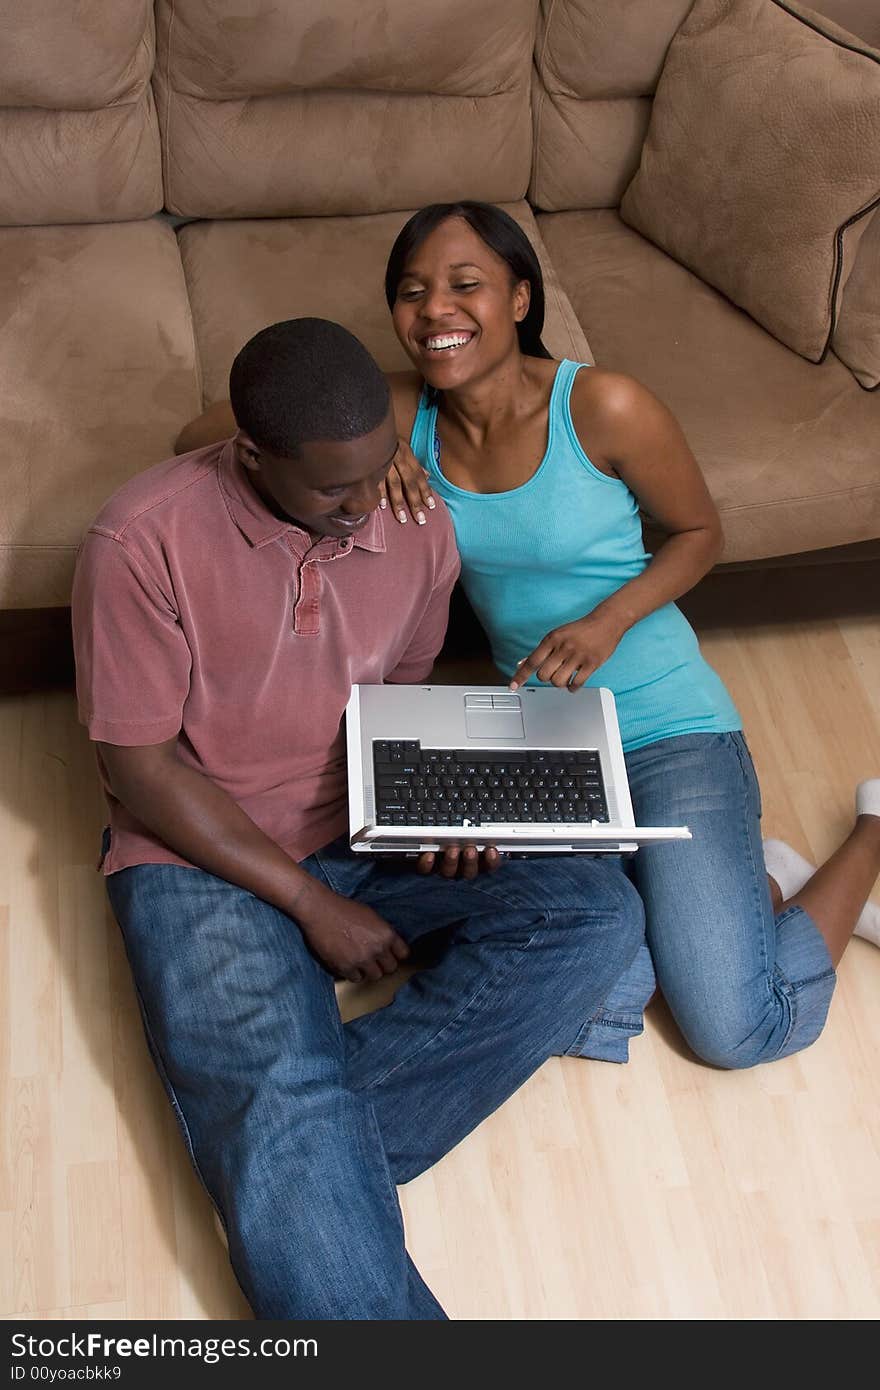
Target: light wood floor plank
{"x": 658, "y": 1190}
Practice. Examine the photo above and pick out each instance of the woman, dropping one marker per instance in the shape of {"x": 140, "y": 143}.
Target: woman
{"x": 544, "y": 466}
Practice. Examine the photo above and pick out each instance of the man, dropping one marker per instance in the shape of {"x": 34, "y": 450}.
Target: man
{"x": 224, "y": 603}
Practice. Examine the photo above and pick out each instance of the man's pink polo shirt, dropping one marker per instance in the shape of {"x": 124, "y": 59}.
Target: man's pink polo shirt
{"x": 197, "y": 614}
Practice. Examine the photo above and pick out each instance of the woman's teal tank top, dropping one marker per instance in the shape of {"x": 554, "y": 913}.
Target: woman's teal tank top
{"x": 548, "y": 552}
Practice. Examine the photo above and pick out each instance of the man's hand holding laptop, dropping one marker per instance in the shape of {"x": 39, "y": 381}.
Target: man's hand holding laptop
{"x": 460, "y": 861}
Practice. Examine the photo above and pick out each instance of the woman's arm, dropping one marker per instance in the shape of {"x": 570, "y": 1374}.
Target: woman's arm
{"x": 214, "y": 424}
{"x": 633, "y": 435}
{"x": 629, "y": 434}
{"x": 407, "y": 485}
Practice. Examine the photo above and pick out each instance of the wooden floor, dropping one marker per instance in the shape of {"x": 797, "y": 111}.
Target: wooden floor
{"x": 658, "y": 1190}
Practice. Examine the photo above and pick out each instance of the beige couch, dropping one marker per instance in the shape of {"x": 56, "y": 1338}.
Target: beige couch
{"x": 175, "y": 176}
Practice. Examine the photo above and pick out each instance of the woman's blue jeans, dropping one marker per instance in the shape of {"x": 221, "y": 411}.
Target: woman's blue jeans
{"x": 300, "y": 1127}
{"x": 743, "y": 985}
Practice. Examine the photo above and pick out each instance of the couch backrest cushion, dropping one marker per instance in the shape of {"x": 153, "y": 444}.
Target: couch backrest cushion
{"x": 596, "y": 68}
{"x": 762, "y": 161}
{"x": 243, "y": 275}
{"x": 79, "y": 140}
{"x": 345, "y": 107}
{"x": 858, "y": 17}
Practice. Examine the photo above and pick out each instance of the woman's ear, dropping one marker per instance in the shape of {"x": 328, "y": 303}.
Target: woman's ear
{"x": 522, "y": 298}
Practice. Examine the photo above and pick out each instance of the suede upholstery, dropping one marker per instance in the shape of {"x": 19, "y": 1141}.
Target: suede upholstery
{"x": 596, "y": 68}
{"x": 98, "y": 373}
{"x": 74, "y": 56}
{"x": 762, "y": 161}
{"x": 299, "y": 134}
{"x": 79, "y": 140}
{"x": 242, "y": 276}
{"x": 859, "y": 17}
{"x": 857, "y": 333}
{"x": 790, "y": 450}
{"x": 257, "y": 111}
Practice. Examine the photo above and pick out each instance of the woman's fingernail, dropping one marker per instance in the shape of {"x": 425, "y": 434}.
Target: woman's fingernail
{"x": 514, "y": 685}
{"x": 421, "y": 518}
{"x": 383, "y": 502}
{"x": 401, "y": 515}
{"x": 431, "y": 503}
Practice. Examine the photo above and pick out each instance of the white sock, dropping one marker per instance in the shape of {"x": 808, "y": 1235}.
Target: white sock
{"x": 786, "y": 867}
{"x": 868, "y": 925}
{"x": 791, "y": 871}
{"x": 868, "y": 804}
{"x": 868, "y": 797}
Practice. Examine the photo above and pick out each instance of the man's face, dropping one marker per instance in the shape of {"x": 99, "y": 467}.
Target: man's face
{"x": 332, "y": 487}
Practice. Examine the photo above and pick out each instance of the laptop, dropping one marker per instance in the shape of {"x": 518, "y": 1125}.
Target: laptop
{"x": 535, "y": 771}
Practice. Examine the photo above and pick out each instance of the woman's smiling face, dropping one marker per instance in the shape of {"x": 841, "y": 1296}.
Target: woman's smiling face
{"x": 457, "y": 307}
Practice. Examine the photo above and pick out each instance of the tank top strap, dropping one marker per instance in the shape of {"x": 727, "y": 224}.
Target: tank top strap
{"x": 564, "y": 380}
{"x": 423, "y": 431}
{"x": 560, "y": 398}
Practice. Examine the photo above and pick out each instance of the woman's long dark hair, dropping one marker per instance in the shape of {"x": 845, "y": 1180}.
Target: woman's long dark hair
{"x": 502, "y": 235}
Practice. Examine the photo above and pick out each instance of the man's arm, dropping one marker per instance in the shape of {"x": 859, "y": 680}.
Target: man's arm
{"x": 202, "y": 823}
{"x": 133, "y": 674}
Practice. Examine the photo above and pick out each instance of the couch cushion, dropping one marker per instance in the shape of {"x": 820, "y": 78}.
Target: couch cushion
{"x": 244, "y": 275}
{"x": 596, "y": 66}
{"x": 857, "y": 332}
{"x": 860, "y": 17}
{"x": 762, "y": 159}
{"x": 98, "y": 367}
{"x": 791, "y": 451}
{"x": 79, "y": 139}
{"x": 350, "y": 106}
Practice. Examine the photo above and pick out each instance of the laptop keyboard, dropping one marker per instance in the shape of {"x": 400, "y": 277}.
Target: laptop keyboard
{"x": 452, "y": 786}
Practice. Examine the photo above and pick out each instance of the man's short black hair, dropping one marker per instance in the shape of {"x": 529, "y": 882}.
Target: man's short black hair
{"x": 306, "y": 379}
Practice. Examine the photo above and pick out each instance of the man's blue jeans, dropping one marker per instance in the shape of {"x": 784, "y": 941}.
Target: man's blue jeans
{"x": 743, "y": 985}
{"x": 300, "y": 1127}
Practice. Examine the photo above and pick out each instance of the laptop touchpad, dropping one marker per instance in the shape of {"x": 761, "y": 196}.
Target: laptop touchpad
{"x": 493, "y": 716}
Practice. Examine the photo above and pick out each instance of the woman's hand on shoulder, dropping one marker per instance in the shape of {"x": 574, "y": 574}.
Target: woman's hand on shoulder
{"x": 407, "y": 487}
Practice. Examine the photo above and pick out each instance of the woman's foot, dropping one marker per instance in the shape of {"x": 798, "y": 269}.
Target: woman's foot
{"x": 868, "y": 797}
{"x": 791, "y": 872}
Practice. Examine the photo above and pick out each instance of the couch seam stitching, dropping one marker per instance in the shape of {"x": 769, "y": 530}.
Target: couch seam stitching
{"x": 866, "y": 52}
{"x": 167, "y": 133}
{"x": 838, "y": 270}
{"x": 789, "y": 501}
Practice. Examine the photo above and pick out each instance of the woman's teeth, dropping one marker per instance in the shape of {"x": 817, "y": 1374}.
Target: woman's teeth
{"x": 446, "y": 341}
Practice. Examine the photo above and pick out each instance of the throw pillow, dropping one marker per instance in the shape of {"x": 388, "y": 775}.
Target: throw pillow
{"x": 762, "y": 161}
{"x": 857, "y": 335}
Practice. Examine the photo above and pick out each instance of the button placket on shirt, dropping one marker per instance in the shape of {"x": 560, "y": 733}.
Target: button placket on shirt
{"x": 308, "y": 584}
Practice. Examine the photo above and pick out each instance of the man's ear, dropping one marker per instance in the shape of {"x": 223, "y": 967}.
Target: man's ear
{"x": 522, "y": 298}
{"x": 246, "y": 452}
